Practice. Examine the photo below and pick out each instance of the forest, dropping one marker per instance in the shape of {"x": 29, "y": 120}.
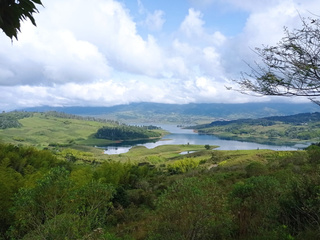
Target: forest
{"x": 125, "y": 132}
{"x": 11, "y": 119}
{"x": 257, "y": 194}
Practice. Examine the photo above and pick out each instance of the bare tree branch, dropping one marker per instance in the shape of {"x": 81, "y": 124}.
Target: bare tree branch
{"x": 291, "y": 68}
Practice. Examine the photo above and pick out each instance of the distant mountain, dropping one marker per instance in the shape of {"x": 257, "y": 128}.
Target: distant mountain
{"x": 185, "y": 113}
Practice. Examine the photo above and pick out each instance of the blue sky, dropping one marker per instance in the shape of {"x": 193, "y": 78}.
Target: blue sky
{"x": 110, "y": 52}
{"x": 216, "y": 16}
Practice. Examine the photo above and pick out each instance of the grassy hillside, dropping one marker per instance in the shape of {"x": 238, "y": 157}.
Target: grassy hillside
{"x": 43, "y": 130}
{"x": 55, "y": 129}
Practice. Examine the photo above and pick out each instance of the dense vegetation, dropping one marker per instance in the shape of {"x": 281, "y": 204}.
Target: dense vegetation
{"x": 210, "y": 194}
{"x": 11, "y": 119}
{"x": 297, "y": 119}
{"x": 72, "y": 116}
{"x": 299, "y": 127}
{"x": 125, "y": 132}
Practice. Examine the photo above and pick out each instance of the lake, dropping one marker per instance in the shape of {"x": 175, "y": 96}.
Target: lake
{"x": 187, "y": 136}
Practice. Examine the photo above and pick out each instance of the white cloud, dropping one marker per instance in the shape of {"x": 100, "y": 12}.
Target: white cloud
{"x": 155, "y": 21}
{"x": 192, "y": 26}
{"x": 99, "y": 36}
{"x": 264, "y": 26}
{"x": 92, "y": 53}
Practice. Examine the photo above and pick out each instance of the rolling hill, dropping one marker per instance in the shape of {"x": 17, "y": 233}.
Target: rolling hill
{"x": 184, "y": 113}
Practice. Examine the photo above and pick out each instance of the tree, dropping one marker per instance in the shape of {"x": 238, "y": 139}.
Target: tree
{"x": 192, "y": 208}
{"x": 57, "y": 207}
{"x": 12, "y": 12}
{"x": 256, "y": 207}
{"x": 207, "y": 146}
{"x": 291, "y": 68}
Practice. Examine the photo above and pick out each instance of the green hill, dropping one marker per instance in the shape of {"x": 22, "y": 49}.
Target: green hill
{"x": 293, "y": 128}
{"x": 52, "y": 129}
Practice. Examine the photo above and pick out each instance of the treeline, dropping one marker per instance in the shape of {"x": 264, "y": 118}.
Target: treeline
{"x": 126, "y": 132}
{"x": 305, "y": 133}
{"x": 44, "y": 197}
{"x": 71, "y": 116}
{"x": 294, "y": 132}
{"x": 11, "y": 119}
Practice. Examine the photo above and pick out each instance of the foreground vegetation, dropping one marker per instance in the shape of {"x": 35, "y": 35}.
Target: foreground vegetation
{"x": 209, "y": 194}
{"x": 60, "y": 188}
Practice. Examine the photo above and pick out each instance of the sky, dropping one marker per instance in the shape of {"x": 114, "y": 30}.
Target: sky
{"x": 111, "y": 52}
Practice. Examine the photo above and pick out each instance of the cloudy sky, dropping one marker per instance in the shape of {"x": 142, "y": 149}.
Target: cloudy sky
{"x": 110, "y": 52}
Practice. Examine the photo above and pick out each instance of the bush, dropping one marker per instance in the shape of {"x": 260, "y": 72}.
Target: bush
{"x": 255, "y": 205}
{"x": 193, "y": 208}
{"x": 256, "y": 169}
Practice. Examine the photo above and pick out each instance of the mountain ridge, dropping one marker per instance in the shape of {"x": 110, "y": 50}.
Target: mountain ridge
{"x": 184, "y": 113}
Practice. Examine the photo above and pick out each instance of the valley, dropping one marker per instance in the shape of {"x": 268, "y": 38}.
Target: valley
{"x": 57, "y": 183}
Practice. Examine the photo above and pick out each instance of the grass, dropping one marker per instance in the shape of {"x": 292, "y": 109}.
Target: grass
{"x": 157, "y": 155}
{"x": 243, "y": 157}
{"x": 232, "y": 159}
{"x": 41, "y": 131}
{"x": 167, "y": 151}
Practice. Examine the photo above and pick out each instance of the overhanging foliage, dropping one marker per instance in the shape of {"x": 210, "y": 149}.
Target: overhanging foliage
{"x": 12, "y": 12}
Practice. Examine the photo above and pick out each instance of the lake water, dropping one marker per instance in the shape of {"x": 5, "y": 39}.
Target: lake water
{"x": 187, "y": 136}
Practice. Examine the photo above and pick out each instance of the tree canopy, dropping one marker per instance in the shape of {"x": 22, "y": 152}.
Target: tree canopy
{"x": 290, "y": 68}
{"x": 12, "y": 12}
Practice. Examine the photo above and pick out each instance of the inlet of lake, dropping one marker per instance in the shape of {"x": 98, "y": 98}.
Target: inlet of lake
{"x": 187, "y": 136}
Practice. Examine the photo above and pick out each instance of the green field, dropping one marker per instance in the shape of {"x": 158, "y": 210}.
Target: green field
{"x": 41, "y": 131}
{"x": 45, "y": 130}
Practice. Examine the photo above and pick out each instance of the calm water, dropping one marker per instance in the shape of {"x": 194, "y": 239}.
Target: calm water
{"x": 185, "y": 136}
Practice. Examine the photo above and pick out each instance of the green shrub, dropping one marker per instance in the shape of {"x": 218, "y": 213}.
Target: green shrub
{"x": 256, "y": 169}
{"x": 193, "y": 208}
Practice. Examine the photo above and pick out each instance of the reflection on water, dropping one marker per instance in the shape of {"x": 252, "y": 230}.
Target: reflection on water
{"x": 187, "y": 136}
{"x": 187, "y": 152}
{"x": 116, "y": 150}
